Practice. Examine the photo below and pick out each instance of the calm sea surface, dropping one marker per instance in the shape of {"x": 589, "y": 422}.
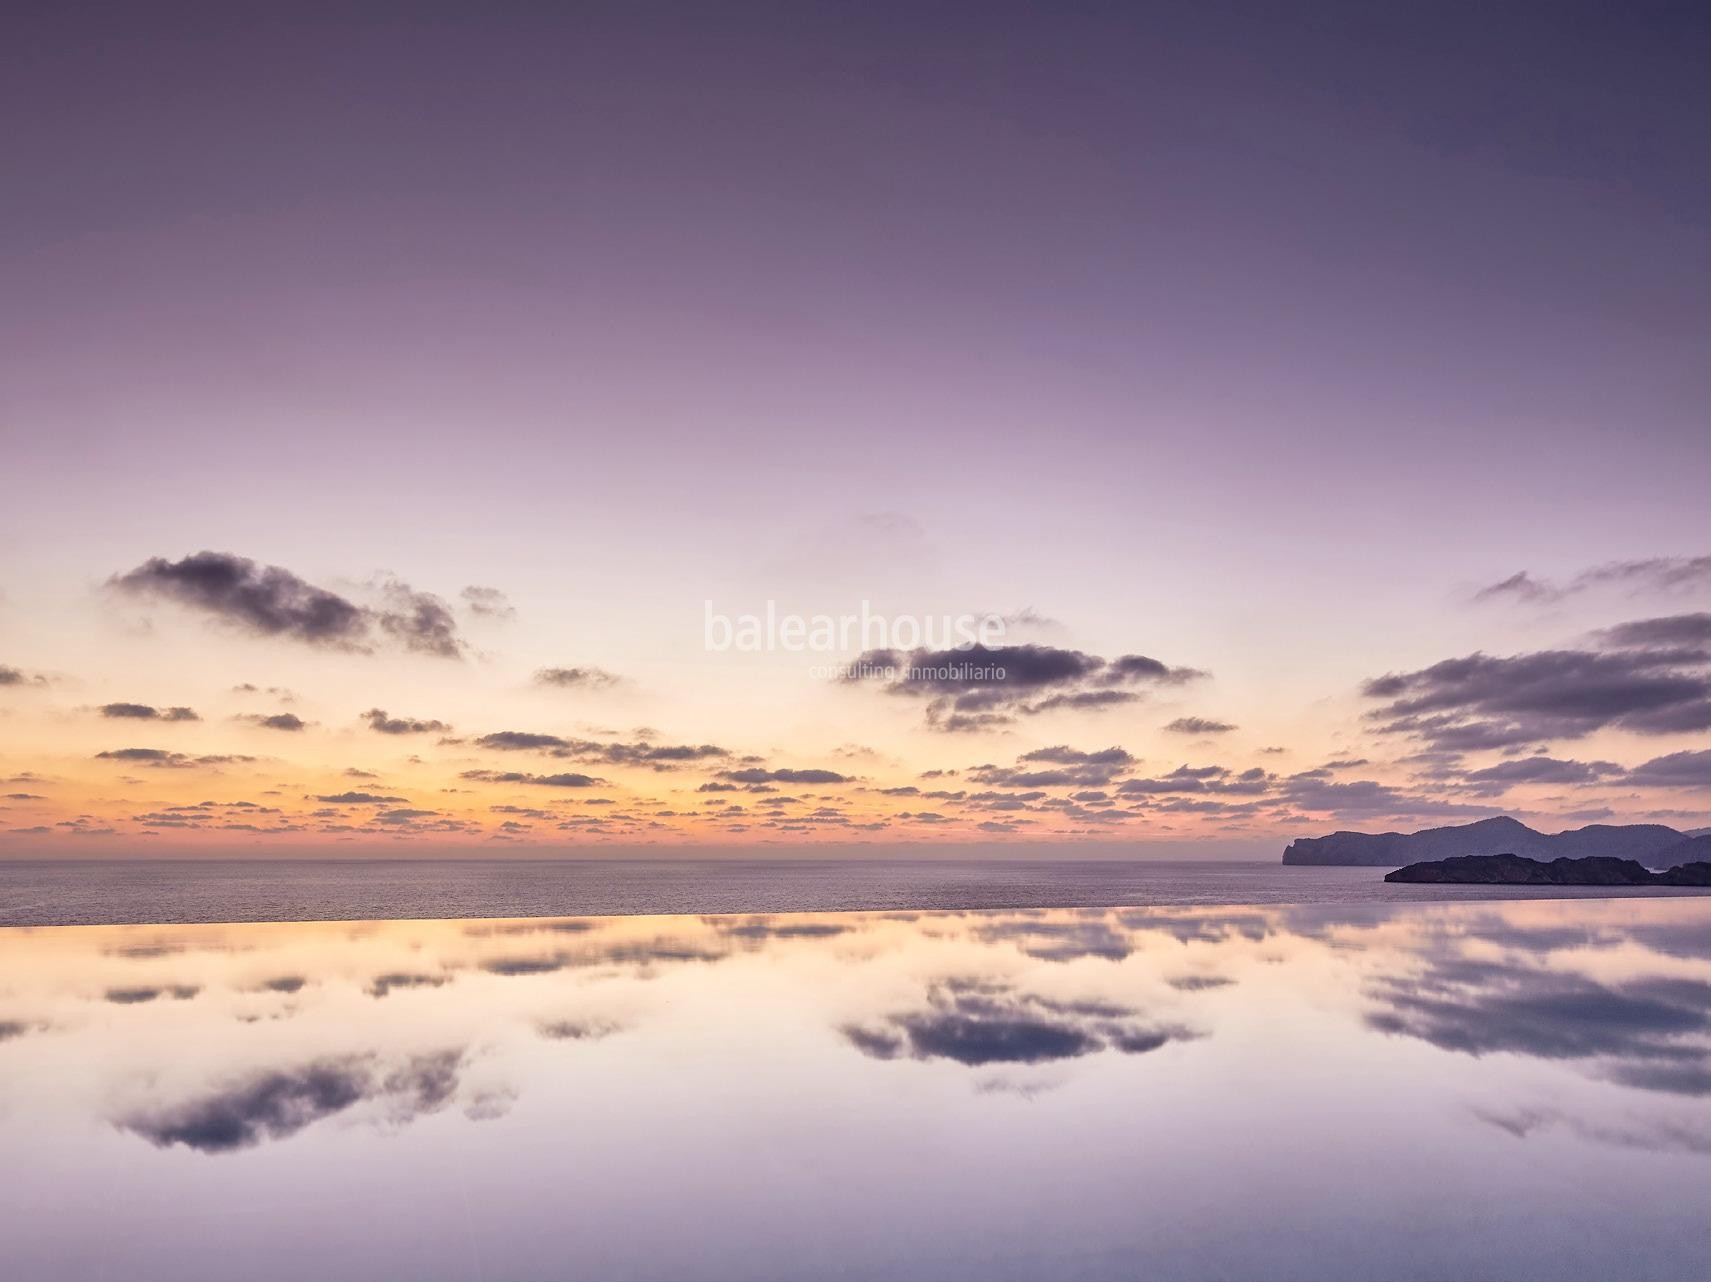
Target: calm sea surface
{"x": 1334, "y": 1091}
{"x": 116, "y": 892}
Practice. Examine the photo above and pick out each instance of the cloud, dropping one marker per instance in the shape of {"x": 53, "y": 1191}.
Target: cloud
{"x": 1653, "y": 574}
{"x": 287, "y": 721}
{"x": 757, "y": 775}
{"x": 547, "y": 781}
{"x": 1198, "y": 725}
{"x": 1520, "y": 587}
{"x": 144, "y": 712}
{"x": 161, "y": 758}
{"x": 1541, "y": 769}
{"x": 1676, "y": 770}
{"x": 1484, "y": 702}
{"x": 267, "y": 600}
{"x": 1059, "y": 766}
{"x": 986, "y": 687}
{"x": 642, "y": 752}
{"x": 1366, "y": 798}
{"x": 10, "y": 676}
{"x": 1684, "y": 630}
{"x": 577, "y": 678}
{"x": 1187, "y": 779}
{"x": 487, "y": 603}
{"x": 417, "y": 621}
{"x": 359, "y": 799}
{"x": 379, "y": 722}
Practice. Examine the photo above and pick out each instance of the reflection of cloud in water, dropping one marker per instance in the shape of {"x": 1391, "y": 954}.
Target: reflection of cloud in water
{"x": 1060, "y": 940}
{"x": 774, "y": 928}
{"x": 623, "y": 953}
{"x": 145, "y": 952}
{"x": 136, "y": 996}
{"x": 277, "y": 1103}
{"x": 974, "y": 1022}
{"x": 381, "y": 985}
{"x": 1643, "y": 1029}
{"x": 1667, "y": 1136}
{"x": 1210, "y": 927}
{"x": 524, "y": 965}
{"x": 542, "y": 926}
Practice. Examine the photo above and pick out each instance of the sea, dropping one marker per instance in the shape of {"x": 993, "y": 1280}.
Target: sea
{"x": 1192, "y": 1091}
{"x": 120, "y": 892}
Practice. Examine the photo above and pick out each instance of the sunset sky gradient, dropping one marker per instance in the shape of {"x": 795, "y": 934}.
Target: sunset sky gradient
{"x": 1299, "y": 357}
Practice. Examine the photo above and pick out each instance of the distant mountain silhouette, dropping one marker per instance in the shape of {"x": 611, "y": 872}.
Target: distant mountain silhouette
{"x": 1652, "y": 844}
{"x": 1695, "y": 849}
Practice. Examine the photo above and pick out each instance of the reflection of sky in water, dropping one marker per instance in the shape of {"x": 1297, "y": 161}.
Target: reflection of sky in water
{"x": 1516, "y": 1090}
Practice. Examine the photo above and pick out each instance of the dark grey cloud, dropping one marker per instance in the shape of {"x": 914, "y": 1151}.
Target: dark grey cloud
{"x": 1683, "y": 631}
{"x": 641, "y": 752}
{"x": 567, "y": 780}
{"x": 1653, "y": 574}
{"x": 755, "y": 774}
{"x": 1058, "y": 766}
{"x": 521, "y": 741}
{"x": 10, "y": 676}
{"x": 1541, "y": 769}
{"x": 577, "y": 678}
{"x": 147, "y": 712}
{"x": 1252, "y": 782}
{"x": 1485, "y": 702}
{"x": 358, "y": 799}
{"x": 1366, "y": 799}
{"x": 1520, "y": 586}
{"x": 289, "y": 722}
{"x": 1691, "y": 769}
{"x": 417, "y": 621}
{"x": 975, "y": 1023}
{"x": 161, "y": 758}
{"x": 985, "y": 687}
{"x": 403, "y": 815}
{"x": 487, "y": 603}
{"x": 381, "y": 723}
{"x": 1199, "y": 725}
{"x": 268, "y": 600}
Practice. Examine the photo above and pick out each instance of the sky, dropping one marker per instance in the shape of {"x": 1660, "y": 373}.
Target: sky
{"x": 1316, "y": 398}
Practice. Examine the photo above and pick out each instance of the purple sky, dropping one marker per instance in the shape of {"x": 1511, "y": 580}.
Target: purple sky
{"x": 1254, "y": 338}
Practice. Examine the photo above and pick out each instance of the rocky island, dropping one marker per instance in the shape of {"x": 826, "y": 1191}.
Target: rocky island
{"x": 1518, "y": 870}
